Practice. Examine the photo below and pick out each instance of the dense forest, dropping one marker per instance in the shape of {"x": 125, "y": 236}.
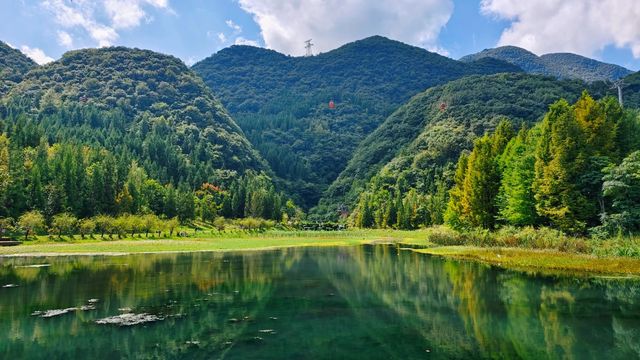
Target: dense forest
{"x": 13, "y": 66}
{"x": 120, "y": 132}
{"x": 559, "y": 65}
{"x": 283, "y": 103}
{"x": 421, "y": 141}
{"x": 124, "y": 131}
{"x": 576, "y": 171}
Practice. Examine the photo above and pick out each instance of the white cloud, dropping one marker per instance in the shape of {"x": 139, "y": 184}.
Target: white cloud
{"x": 285, "y": 25}
{"x": 222, "y": 37}
{"x": 242, "y": 41}
{"x": 36, "y": 54}
{"x": 237, "y": 29}
{"x": 65, "y": 39}
{"x": 581, "y": 26}
{"x": 84, "y": 14}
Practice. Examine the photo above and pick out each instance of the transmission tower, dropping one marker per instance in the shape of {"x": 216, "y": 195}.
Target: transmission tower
{"x": 308, "y": 45}
{"x": 619, "y": 84}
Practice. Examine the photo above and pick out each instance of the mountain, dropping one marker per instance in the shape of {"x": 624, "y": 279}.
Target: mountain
{"x": 138, "y": 104}
{"x": 559, "y": 65}
{"x": 421, "y": 140}
{"x": 283, "y": 103}
{"x": 13, "y": 65}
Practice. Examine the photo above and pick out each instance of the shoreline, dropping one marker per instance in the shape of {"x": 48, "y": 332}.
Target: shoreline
{"x": 518, "y": 259}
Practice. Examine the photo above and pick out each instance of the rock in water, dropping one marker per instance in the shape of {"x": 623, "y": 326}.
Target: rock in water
{"x": 129, "y": 319}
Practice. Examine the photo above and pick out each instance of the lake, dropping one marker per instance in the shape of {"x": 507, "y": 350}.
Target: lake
{"x": 367, "y": 302}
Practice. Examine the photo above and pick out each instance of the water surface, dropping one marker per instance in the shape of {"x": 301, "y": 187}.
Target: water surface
{"x": 369, "y": 302}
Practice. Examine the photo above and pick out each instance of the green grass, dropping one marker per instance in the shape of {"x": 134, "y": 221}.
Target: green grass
{"x": 525, "y": 259}
{"x": 548, "y": 261}
{"x": 212, "y": 241}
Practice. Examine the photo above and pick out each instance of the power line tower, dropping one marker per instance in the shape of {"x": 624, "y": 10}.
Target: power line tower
{"x": 619, "y": 85}
{"x": 308, "y": 46}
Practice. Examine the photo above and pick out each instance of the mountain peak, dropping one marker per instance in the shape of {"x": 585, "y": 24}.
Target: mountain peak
{"x": 559, "y": 65}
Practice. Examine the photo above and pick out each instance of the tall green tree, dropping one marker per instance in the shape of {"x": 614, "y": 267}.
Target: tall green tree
{"x": 516, "y": 198}
{"x": 560, "y": 158}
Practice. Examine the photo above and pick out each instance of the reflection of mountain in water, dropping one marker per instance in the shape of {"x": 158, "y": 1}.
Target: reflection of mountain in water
{"x": 367, "y": 302}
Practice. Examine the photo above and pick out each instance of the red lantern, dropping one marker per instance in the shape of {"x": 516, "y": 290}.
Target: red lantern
{"x": 332, "y": 105}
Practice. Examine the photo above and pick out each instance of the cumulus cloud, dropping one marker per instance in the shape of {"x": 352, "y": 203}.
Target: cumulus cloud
{"x": 285, "y": 25}
{"x": 65, "y": 39}
{"x": 222, "y": 37}
{"x": 84, "y": 14}
{"x": 235, "y": 27}
{"x": 36, "y": 54}
{"x": 580, "y": 26}
{"x": 242, "y": 41}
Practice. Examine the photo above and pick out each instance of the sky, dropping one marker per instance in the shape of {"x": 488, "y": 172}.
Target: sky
{"x": 607, "y": 30}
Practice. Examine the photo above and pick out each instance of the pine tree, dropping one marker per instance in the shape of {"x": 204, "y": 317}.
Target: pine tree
{"x": 516, "y": 199}
{"x": 559, "y": 159}
{"x": 453, "y": 216}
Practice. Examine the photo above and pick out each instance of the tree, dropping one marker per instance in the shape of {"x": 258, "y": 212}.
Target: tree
{"x": 516, "y": 199}
{"x": 104, "y": 224}
{"x": 172, "y": 224}
{"x": 364, "y": 216}
{"x": 482, "y": 178}
{"x": 31, "y": 222}
{"x": 86, "y": 227}
{"x": 148, "y": 223}
{"x": 5, "y": 177}
{"x": 622, "y": 187}
{"x": 64, "y": 223}
{"x": 560, "y": 158}
{"x": 454, "y": 214}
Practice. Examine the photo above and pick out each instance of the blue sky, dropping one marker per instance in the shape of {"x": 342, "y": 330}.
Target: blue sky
{"x": 194, "y": 29}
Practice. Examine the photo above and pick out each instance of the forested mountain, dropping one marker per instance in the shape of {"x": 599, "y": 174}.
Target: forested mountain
{"x": 136, "y": 101}
{"x": 13, "y": 65}
{"x": 117, "y": 131}
{"x": 420, "y": 142}
{"x": 560, "y": 65}
{"x": 283, "y": 103}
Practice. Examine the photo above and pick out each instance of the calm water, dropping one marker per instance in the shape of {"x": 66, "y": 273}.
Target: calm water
{"x": 371, "y": 302}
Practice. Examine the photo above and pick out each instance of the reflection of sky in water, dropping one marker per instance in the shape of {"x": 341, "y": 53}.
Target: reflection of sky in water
{"x": 368, "y": 302}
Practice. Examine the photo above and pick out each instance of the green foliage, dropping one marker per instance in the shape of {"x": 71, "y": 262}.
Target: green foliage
{"x": 622, "y": 188}
{"x": 136, "y": 103}
{"x": 64, "y": 223}
{"x": 561, "y": 65}
{"x": 478, "y": 189}
{"x": 281, "y": 102}
{"x": 13, "y": 65}
{"x": 549, "y": 175}
{"x": 423, "y": 139}
{"x": 516, "y": 199}
{"x": 31, "y": 222}
{"x": 576, "y": 143}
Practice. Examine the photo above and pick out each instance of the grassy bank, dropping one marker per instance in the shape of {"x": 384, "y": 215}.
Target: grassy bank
{"x": 212, "y": 241}
{"x": 525, "y": 249}
{"x": 546, "y": 261}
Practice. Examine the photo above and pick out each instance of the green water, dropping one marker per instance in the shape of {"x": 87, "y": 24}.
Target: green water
{"x": 370, "y": 302}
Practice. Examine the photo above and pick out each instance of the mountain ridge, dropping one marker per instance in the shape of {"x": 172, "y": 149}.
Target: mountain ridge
{"x": 281, "y": 102}
{"x": 559, "y": 65}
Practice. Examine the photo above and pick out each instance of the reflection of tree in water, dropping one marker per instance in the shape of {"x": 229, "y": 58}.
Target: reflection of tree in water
{"x": 370, "y": 301}
{"x": 465, "y": 309}
{"x": 206, "y": 289}
{"x": 626, "y": 322}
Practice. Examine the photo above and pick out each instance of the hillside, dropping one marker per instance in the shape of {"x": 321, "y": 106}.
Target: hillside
{"x": 282, "y": 102}
{"x": 423, "y": 138}
{"x": 559, "y": 65}
{"x": 13, "y": 65}
{"x": 139, "y": 104}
